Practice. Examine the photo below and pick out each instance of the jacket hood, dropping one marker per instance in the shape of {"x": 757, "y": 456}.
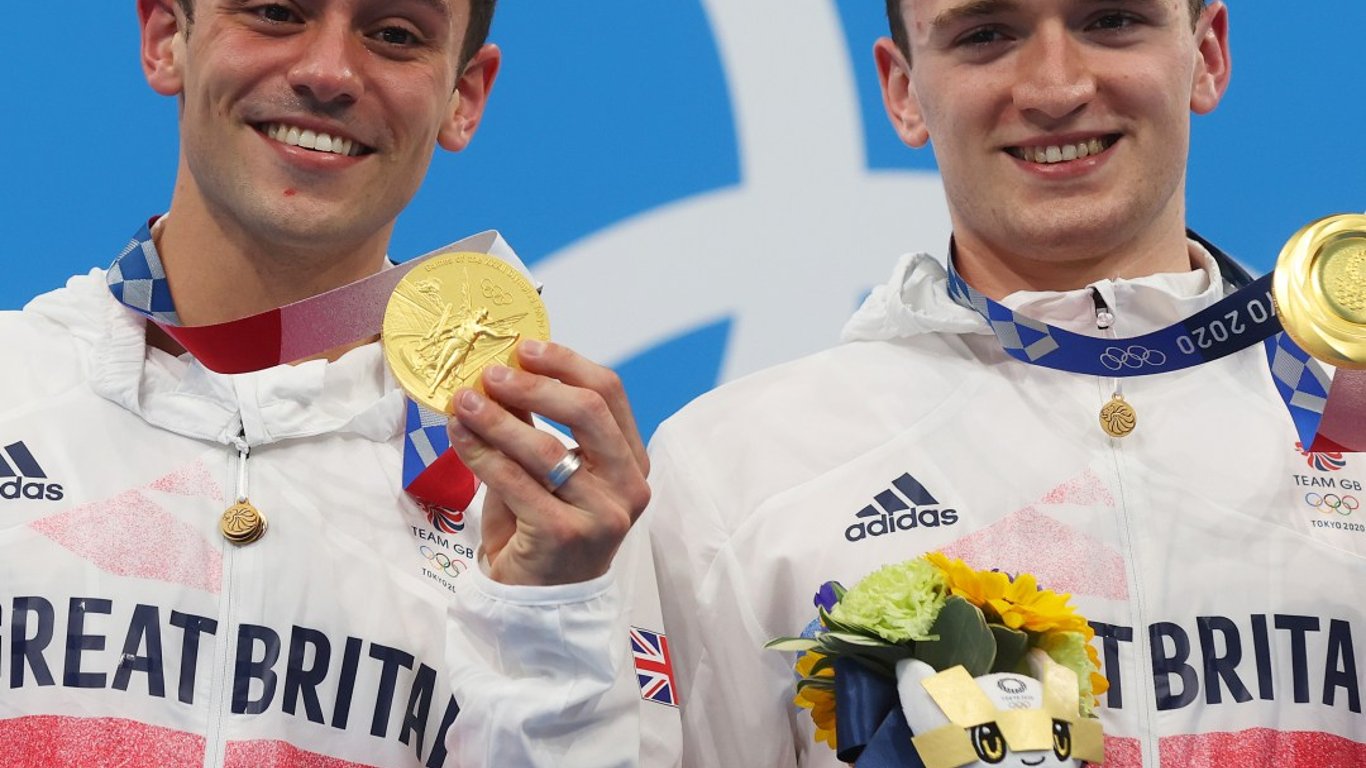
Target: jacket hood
{"x": 916, "y": 301}
{"x": 354, "y": 394}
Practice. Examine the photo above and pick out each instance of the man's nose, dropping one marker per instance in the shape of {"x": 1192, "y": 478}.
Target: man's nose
{"x": 1053, "y": 77}
{"x": 327, "y": 69}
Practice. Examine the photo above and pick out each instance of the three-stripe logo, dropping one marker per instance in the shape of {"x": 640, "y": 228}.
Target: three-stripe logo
{"x": 905, "y": 505}
{"x": 22, "y": 477}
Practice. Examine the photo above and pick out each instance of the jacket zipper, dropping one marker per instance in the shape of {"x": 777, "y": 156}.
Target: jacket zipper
{"x": 221, "y": 685}
{"x": 1105, "y": 321}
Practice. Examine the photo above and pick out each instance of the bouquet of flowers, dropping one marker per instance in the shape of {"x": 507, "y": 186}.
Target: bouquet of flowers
{"x": 932, "y": 616}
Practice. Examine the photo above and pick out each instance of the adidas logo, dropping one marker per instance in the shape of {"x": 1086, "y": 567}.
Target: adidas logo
{"x": 21, "y": 477}
{"x": 904, "y": 506}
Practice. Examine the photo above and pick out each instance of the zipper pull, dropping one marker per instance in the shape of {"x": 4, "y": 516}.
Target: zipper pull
{"x": 242, "y": 523}
{"x": 1105, "y": 318}
{"x": 1117, "y": 417}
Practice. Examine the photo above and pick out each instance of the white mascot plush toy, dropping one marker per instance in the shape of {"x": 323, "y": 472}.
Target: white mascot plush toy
{"x": 1000, "y": 720}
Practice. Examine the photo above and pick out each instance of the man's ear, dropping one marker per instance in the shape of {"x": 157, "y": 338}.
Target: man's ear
{"x": 898, "y": 94}
{"x": 1213, "y": 64}
{"x": 469, "y": 99}
{"x": 163, "y": 46}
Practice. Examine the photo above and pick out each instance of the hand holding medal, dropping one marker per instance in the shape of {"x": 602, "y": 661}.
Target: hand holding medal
{"x": 463, "y": 322}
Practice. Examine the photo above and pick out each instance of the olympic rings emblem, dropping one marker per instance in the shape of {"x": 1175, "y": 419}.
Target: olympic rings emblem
{"x": 443, "y": 561}
{"x": 1134, "y": 356}
{"x": 1329, "y": 503}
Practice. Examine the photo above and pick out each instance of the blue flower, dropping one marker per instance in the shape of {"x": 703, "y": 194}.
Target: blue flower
{"x": 827, "y": 596}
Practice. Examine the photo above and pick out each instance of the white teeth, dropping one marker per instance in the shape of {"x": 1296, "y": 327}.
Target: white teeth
{"x": 1060, "y": 153}
{"x": 318, "y": 142}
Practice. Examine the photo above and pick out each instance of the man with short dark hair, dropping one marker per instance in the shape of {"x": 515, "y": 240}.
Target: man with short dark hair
{"x": 981, "y": 407}
{"x": 280, "y": 564}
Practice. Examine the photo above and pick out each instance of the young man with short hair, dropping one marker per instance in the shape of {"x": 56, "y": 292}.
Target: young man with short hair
{"x": 142, "y": 624}
{"x": 1190, "y": 529}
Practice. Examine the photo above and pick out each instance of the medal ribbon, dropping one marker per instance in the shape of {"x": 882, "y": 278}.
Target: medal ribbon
{"x": 870, "y": 730}
{"x": 1232, "y": 324}
{"x": 432, "y": 473}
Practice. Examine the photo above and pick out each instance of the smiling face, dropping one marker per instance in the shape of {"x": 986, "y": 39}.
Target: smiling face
{"x": 311, "y": 123}
{"x": 1061, "y": 127}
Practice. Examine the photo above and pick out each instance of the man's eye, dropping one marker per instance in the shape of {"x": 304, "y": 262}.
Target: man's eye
{"x": 1114, "y": 21}
{"x": 396, "y": 36}
{"x": 981, "y": 37}
{"x": 276, "y": 13}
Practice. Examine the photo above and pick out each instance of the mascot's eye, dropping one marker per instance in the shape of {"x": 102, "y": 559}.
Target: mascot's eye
{"x": 1062, "y": 739}
{"x": 989, "y": 743}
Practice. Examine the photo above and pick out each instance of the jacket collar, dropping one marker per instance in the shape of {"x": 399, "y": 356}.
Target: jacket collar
{"x": 916, "y": 300}
{"x": 354, "y": 394}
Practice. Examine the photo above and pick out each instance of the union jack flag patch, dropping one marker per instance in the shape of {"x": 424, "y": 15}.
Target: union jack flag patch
{"x": 654, "y": 668}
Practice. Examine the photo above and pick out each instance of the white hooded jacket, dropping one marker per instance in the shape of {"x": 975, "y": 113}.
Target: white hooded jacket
{"x": 1219, "y": 563}
{"x": 352, "y": 634}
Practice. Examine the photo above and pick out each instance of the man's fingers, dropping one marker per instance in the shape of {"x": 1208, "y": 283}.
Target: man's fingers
{"x": 504, "y": 475}
{"x": 514, "y": 460}
{"x": 559, "y": 362}
{"x": 591, "y": 487}
{"x": 583, "y": 411}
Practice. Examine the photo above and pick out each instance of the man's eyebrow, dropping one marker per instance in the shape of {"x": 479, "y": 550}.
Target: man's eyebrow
{"x": 442, "y": 7}
{"x": 958, "y": 13}
{"x": 1141, "y": 3}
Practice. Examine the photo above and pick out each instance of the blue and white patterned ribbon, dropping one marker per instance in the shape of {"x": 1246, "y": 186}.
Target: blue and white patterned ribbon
{"x": 1232, "y": 324}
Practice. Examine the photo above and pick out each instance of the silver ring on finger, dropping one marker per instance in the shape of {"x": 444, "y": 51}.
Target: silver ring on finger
{"x": 563, "y": 470}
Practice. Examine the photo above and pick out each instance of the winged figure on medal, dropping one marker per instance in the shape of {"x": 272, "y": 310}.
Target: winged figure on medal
{"x": 446, "y": 345}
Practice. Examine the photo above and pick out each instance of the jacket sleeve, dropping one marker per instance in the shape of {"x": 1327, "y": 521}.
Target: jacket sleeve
{"x": 542, "y": 676}
{"x": 735, "y": 696}
{"x": 555, "y": 684}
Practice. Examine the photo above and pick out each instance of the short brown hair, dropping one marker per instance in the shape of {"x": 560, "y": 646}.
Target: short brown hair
{"x": 897, "y": 23}
{"x": 481, "y": 18}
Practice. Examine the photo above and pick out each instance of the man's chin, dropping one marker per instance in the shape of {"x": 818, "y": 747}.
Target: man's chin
{"x": 301, "y": 225}
{"x": 1074, "y": 229}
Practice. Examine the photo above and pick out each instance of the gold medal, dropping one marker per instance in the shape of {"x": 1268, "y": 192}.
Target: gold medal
{"x": 242, "y": 523}
{"x": 1118, "y": 418}
{"x": 1320, "y": 290}
{"x": 453, "y": 316}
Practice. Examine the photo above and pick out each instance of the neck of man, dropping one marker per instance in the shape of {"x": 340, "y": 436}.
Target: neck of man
{"x": 218, "y": 270}
{"x": 1069, "y": 262}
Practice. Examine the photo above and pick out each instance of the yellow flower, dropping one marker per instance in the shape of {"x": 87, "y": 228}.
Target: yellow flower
{"x": 977, "y": 587}
{"x": 821, "y": 701}
{"x": 1018, "y": 604}
{"x": 1099, "y": 683}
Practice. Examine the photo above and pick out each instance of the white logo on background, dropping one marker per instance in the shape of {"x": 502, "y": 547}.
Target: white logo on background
{"x": 788, "y": 253}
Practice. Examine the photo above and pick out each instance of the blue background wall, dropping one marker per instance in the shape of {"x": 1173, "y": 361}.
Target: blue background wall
{"x": 616, "y": 112}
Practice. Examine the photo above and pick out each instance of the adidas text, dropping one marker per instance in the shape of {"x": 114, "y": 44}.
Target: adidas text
{"x": 913, "y": 518}
{"x": 19, "y": 488}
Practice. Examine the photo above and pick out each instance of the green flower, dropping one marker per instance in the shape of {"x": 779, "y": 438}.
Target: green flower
{"x": 896, "y": 602}
{"x": 1069, "y": 650}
